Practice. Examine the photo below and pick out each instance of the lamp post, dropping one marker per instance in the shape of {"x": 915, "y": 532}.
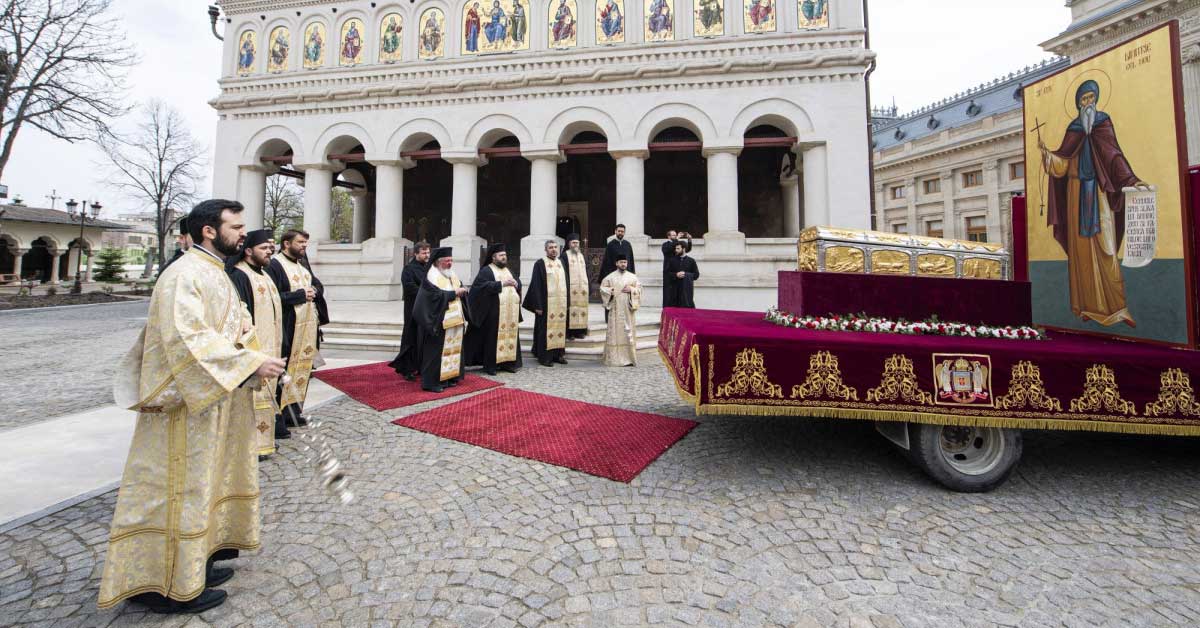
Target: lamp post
{"x": 83, "y": 218}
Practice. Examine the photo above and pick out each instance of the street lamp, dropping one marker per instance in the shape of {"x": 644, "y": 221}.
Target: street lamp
{"x": 83, "y": 218}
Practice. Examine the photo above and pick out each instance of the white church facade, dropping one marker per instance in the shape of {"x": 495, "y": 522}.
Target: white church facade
{"x": 740, "y": 121}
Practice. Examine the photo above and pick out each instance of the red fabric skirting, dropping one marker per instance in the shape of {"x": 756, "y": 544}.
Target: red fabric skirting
{"x": 736, "y": 363}
{"x": 601, "y": 441}
{"x": 378, "y": 386}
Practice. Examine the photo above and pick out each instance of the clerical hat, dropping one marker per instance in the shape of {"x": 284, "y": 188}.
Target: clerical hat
{"x": 572, "y": 236}
{"x": 260, "y": 236}
{"x": 183, "y": 230}
{"x": 496, "y": 247}
{"x": 439, "y": 253}
{"x": 621, "y": 258}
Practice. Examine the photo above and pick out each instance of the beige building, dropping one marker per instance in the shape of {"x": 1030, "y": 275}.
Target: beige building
{"x": 950, "y": 169}
{"x": 44, "y": 244}
{"x": 1097, "y": 25}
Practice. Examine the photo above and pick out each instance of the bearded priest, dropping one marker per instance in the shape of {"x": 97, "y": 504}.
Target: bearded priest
{"x": 495, "y": 306}
{"x": 301, "y": 320}
{"x": 549, "y": 300}
{"x": 622, "y": 295}
{"x": 257, "y": 291}
{"x": 440, "y": 313}
{"x": 190, "y": 487}
{"x": 577, "y": 315}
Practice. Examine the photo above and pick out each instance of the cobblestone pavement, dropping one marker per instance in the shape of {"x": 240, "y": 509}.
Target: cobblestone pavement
{"x": 61, "y": 361}
{"x": 745, "y": 522}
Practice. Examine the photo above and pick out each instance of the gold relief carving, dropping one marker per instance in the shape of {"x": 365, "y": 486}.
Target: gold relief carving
{"x": 1026, "y": 390}
{"x": 1175, "y": 396}
{"x": 893, "y": 238}
{"x": 1100, "y": 391}
{"x": 807, "y": 259}
{"x": 933, "y": 264}
{"x": 981, "y": 268}
{"x": 889, "y": 263}
{"x": 824, "y": 379}
{"x": 899, "y": 383}
{"x": 844, "y": 259}
{"x": 810, "y": 234}
{"x": 749, "y": 375}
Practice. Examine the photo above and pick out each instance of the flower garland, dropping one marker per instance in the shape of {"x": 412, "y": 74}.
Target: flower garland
{"x": 929, "y": 327}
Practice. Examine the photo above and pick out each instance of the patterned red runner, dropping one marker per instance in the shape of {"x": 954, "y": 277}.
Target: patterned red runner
{"x": 598, "y": 440}
{"x": 378, "y": 386}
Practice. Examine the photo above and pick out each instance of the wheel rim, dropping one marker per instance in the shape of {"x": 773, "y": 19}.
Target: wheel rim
{"x": 971, "y": 450}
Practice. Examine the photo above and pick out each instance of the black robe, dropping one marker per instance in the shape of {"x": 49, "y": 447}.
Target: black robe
{"x": 680, "y": 291}
{"x": 535, "y": 299}
{"x": 289, "y": 299}
{"x": 668, "y": 251}
{"x": 178, "y": 254}
{"x": 614, "y": 248}
{"x": 319, "y": 300}
{"x": 242, "y": 284}
{"x": 429, "y": 312}
{"x": 408, "y": 360}
{"x": 479, "y": 347}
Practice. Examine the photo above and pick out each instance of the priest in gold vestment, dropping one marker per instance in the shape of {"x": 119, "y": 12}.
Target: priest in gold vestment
{"x": 258, "y": 293}
{"x": 301, "y": 318}
{"x": 442, "y": 316}
{"x": 190, "y": 487}
{"x": 576, "y": 262}
{"x": 548, "y": 297}
{"x": 495, "y": 307}
{"x": 622, "y": 295}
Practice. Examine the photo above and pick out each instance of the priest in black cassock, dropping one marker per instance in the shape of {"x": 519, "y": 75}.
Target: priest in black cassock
{"x": 441, "y": 317}
{"x": 183, "y": 242}
{"x": 616, "y": 246}
{"x": 548, "y": 297}
{"x": 682, "y": 273}
{"x": 495, "y": 306}
{"x": 668, "y": 250}
{"x": 302, "y": 299}
{"x": 408, "y": 360}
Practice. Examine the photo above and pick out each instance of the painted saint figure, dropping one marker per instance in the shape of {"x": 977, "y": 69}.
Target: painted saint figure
{"x": 563, "y": 27}
{"x": 246, "y": 55}
{"x": 711, "y": 16}
{"x": 814, "y": 13}
{"x": 497, "y": 29}
{"x": 314, "y": 47}
{"x": 431, "y": 36}
{"x": 390, "y": 42}
{"x": 471, "y": 28}
{"x": 352, "y": 44}
{"x": 1086, "y": 208}
{"x": 280, "y": 46}
{"x": 760, "y": 13}
{"x": 612, "y": 22}
{"x": 659, "y": 19}
{"x": 520, "y": 23}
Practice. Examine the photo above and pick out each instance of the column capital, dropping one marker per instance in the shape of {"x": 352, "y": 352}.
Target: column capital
{"x": 549, "y": 152}
{"x": 384, "y": 159}
{"x": 732, "y": 149}
{"x": 802, "y": 147}
{"x": 463, "y": 156}
{"x": 946, "y": 175}
{"x": 266, "y": 169}
{"x": 331, "y": 166}
{"x": 639, "y": 153}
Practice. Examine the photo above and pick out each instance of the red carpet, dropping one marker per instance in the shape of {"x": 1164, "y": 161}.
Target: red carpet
{"x": 606, "y": 442}
{"x": 378, "y": 386}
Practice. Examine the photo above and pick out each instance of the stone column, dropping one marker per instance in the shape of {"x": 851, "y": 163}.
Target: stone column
{"x": 318, "y": 186}
{"x": 948, "y": 227}
{"x": 880, "y": 218}
{"x": 631, "y": 192}
{"x": 18, "y": 259}
{"x": 543, "y": 204}
{"x": 360, "y": 222}
{"x": 991, "y": 187}
{"x": 791, "y": 204}
{"x": 911, "y": 197}
{"x": 389, "y": 197}
{"x": 91, "y": 265}
{"x": 252, "y": 193}
{"x": 723, "y": 237}
{"x": 54, "y": 267}
{"x": 463, "y": 211}
{"x": 816, "y": 186}
{"x": 1191, "y": 96}
{"x": 73, "y": 262}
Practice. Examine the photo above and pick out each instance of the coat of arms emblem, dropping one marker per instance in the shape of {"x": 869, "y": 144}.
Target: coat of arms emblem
{"x": 962, "y": 380}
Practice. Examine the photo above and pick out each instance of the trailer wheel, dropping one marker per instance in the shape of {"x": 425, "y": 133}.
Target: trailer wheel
{"x": 966, "y": 459}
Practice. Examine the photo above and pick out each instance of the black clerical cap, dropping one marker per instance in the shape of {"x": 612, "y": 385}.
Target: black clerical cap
{"x": 439, "y": 253}
{"x": 497, "y": 247}
{"x": 183, "y": 226}
{"x": 260, "y": 236}
{"x": 572, "y": 236}
{"x": 621, "y": 258}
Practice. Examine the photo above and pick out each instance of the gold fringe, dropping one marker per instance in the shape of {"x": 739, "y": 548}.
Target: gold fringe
{"x": 935, "y": 418}
{"x": 687, "y": 396}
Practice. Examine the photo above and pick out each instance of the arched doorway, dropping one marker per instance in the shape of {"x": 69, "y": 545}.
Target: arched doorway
{"x": 503, "y": 194}
{"x": 676, "y": 184}
{"x": 428, "y": 188}
{"x": 587, "y": 190}
{"x": 761, "y": 204}
{"x": 36, "y": 263}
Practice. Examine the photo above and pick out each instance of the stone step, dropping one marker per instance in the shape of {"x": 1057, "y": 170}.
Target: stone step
{"x": 575, "y": 350}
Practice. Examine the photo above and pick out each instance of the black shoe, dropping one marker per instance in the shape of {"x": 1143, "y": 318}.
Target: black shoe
{"x": 209, "y": 599}
{"x": 545, "y": 363}
{"x": 409, "y": 377}
{"x": 509, "y": 369}
{"x": 301, "y": 421}
{"x": 284, "y": 435}
{"x": 491, "y": 372}
{"x": 435, "y": 389}
{"x": 560, "y": 360}
{"x": 218, "y": 576}
{"x": 227, "y": 553}
{"x": 452, "y": 383}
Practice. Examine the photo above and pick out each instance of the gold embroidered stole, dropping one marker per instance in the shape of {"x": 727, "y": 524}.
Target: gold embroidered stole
{"x": 510, "y": 316}
{"x": 453, "y": 322}
{"x": 304, "y": 336}
{"x": 268, "y": 327}
{"x": 578, "y": 316}
{"x": 556, "y": 304}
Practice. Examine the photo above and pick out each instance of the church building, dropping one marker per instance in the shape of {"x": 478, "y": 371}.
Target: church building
{"x": 467, "y": 122}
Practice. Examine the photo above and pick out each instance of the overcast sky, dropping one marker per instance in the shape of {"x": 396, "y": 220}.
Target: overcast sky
{"x": 927, "y": 50}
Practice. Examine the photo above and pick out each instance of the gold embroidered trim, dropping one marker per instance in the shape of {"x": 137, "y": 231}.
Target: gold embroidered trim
{"x": 1175, "y": 396}
{"x": 749, "y": 374}
{"x": 1100, "y": 391}
{"x": 899, "y": 383}
{"x": 825, "y": 379}
{"x": 1026, "y": 389}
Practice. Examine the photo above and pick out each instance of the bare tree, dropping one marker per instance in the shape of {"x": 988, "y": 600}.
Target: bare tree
{"x": 160, "y": 165}
{"x": 284, "y": 204}
{"x": 62, "y": 69}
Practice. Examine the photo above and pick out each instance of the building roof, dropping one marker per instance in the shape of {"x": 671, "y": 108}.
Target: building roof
{"x": 21, "y": 213}
{"x": 996, "y": 96}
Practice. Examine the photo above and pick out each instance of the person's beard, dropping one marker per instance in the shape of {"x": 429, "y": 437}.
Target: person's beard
{"x": 500, "y": 264}
{"x": 225, "y": 247}
{"x": 1087, "y": 116}
{"x": 446, "y": 272}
